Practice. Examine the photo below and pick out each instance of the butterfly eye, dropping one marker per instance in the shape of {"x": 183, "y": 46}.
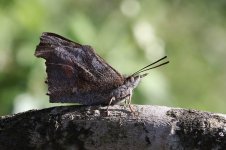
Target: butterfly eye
{"x": 132, "y": 79}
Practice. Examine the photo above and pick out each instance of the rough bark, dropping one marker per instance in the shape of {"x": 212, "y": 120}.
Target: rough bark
{"x": 90, "y": 127}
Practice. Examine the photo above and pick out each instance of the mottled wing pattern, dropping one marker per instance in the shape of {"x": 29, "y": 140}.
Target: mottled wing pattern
{"x": 75, "y": 73}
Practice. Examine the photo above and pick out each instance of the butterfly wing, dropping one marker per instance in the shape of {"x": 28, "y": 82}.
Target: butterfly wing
{"x": 75, "y": 73}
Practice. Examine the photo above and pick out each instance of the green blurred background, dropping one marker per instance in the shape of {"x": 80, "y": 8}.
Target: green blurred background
{"x": 128, "y": 34}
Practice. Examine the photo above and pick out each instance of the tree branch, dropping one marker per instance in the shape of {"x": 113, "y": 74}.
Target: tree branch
{"x": 89, "y": 127}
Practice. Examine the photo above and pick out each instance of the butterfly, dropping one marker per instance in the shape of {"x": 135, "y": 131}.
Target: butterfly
{"x": 76, "y": 74}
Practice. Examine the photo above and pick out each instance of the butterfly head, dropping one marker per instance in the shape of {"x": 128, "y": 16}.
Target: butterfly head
{"x": 133, "y": 81}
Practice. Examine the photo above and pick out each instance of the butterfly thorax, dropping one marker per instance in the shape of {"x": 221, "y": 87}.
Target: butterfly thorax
{"x": 125, "y": 90}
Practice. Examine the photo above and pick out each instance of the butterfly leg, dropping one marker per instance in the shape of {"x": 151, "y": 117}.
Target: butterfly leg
{"x": 128, "y": 98}
{"x": 112, "y": 99}
{"x": 129, "y": 101}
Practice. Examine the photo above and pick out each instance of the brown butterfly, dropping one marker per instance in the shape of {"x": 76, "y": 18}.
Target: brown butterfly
{"x": 76, "y": 74}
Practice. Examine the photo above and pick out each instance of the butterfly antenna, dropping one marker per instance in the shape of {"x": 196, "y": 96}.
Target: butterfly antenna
{"x": 155, "y": 66}
{"x": 145, "y": 68}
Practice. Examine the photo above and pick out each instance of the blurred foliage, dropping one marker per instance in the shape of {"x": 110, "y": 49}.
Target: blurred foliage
{"x": 129, "y": 34}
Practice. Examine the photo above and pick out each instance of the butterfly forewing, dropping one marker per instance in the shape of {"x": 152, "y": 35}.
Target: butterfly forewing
{"x": 75, "y": 73}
